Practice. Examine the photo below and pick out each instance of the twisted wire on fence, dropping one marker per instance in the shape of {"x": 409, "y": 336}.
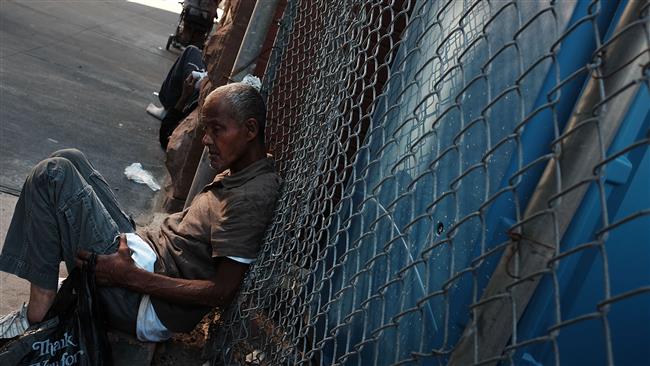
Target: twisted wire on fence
{"x": 434, "y": 154}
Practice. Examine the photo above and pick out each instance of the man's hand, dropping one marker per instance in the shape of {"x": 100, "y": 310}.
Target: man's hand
{"x": 112, "y": 269}
{"x": 119, "y": 270}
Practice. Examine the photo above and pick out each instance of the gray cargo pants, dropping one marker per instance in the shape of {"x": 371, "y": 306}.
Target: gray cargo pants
{"x": 66, "y": 205}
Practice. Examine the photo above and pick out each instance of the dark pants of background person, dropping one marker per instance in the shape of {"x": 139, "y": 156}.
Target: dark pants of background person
{"x": 66, "y": 205}
{"x": 190, "y": 60}
{"x": 170, "y": 91}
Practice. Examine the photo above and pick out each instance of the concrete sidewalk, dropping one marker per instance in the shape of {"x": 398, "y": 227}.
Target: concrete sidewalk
{"x": 79, "y": 74}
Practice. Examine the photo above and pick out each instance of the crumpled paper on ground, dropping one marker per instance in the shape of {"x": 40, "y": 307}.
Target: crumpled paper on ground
{"x": 135, "y": 173}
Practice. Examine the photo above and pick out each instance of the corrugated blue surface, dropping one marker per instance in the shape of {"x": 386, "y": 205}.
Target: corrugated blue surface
{"x": 582, "y": 277}
{"x": 406, "y": 196}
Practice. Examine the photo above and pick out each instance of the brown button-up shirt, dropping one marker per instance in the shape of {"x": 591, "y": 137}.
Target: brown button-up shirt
{"x": 228, "y": 218}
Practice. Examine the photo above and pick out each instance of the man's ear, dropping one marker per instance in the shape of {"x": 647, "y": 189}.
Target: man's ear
{"x": 252, "y": 128}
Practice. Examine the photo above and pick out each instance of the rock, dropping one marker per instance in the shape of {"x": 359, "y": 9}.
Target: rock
{"x": 183, "y": 154}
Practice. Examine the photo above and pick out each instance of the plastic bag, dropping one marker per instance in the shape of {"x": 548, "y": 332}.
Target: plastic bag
{"x": 135, "y": 173}
{"x": 73, "y": 332}
{"x": 253, "y": 81}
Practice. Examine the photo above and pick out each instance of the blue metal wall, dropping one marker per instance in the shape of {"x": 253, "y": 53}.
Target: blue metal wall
{"x": 406, "y": 201}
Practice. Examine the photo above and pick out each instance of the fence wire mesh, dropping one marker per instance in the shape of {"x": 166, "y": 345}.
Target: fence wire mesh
{"x": 455, "y": 182}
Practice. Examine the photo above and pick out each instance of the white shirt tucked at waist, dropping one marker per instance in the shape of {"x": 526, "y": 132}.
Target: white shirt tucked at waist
{"x": 149, "y": 328}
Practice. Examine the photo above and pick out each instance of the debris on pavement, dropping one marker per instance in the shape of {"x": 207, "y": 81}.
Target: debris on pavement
{"x": 136, "y": 173}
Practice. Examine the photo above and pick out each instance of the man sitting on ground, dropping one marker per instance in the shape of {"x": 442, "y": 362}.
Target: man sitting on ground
{"x": 160, "y": 281}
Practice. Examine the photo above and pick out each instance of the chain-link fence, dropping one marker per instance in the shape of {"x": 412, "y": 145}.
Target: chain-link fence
{"x": 466, "y": 182}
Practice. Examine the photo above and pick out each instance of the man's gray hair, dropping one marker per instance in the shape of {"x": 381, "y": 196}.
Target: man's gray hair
{"x": 245, "y": 102}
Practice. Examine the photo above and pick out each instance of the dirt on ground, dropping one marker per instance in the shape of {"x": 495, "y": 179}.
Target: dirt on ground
{"x": 185, "y": 349}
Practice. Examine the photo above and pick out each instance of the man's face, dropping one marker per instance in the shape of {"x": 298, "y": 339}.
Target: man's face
{"x": 226, "y": 138}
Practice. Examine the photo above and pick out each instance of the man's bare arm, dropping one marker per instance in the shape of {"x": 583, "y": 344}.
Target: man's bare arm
{"x": 119, "y": 270}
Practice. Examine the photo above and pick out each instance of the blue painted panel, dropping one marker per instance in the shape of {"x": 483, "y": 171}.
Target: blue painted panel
{"x": 581, "y": 276}
{"x": 407, "y": 224}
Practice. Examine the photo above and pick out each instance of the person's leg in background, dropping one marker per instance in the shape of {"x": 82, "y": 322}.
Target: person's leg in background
{"x": 190, "y": 60}
{"x": 178, "y": 93}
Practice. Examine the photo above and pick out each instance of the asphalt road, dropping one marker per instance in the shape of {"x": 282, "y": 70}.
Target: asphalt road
{"x": 79, "y": 73}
